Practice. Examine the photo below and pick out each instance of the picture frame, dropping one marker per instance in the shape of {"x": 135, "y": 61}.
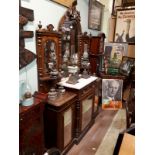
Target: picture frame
{"x": 113, "y": 54}
{"x": 126, "y": 65}
{"x": 125, "y": 26}
{"x": 66, "y": 3}
{"x": 112, "y": 94}
{"x": 128, "y": 3}
{"x": 117, "y": 4}
{"x": 95, "y": 13}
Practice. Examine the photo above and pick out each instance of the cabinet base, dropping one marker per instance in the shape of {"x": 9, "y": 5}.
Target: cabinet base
{"x": 78, "y": 139}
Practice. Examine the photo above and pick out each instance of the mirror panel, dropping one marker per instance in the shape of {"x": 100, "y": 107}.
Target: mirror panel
{"x": 67, "y": 126}
{"x": 87, "y": 105}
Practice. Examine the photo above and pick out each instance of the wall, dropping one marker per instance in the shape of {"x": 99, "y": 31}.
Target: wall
{"x": 48, "y": 12}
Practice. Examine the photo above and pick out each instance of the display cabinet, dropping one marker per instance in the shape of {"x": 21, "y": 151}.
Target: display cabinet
{"x": 96, "y": 53}
{"x": 59, "y": 118}
{"x": 48, "y": 47}
{"x": 70, "y": 28}
{"x": 82, "y": 40}
{"x": 84, "y": 108}
{"x": 31, "y": 133}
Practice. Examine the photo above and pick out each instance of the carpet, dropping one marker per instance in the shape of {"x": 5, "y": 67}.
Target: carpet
{"x": 109, "y": 141}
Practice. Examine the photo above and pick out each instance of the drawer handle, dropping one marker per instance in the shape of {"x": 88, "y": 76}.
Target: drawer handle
{"x": 21, "y": 119}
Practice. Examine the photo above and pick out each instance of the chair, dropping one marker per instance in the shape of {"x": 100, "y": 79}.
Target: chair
{"x": 130, "y": 131}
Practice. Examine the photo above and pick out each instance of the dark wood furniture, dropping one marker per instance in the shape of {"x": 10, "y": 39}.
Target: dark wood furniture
{"x": 98, "y": 97}
{"x": 31, "y": 133}
{"x": 130, "y": 105}
{"x": 70, "y": 27}
{"x": 84, "y": 108}
{"x": 25, "y": 55}
{"x": 47, "y": 41}
{"x": 96, "y": 51}
{"x": 83, "y": 39}
{"x": 59, "y": 118}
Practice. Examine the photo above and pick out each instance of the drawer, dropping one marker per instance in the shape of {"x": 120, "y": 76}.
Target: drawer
{"x": 86, "y": 90}
{"x": 31, "y": 114}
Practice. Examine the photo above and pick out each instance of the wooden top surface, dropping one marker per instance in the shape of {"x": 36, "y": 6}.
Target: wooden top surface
{"x": 23, "y": 109}
{"x": 62, "y": 99}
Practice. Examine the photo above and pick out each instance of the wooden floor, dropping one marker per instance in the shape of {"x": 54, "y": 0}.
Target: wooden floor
{"x": 91, "y": 141}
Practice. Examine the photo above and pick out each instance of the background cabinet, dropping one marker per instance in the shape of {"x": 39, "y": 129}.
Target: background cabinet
{"x": 83, "y": 39}
{"x": 96, "y": 53}
{"x": 31, "y": 137}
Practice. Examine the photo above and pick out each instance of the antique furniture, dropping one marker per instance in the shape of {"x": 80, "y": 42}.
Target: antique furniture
{"x": 96, "y": 51}
{"x": 25, "y": 55}
{"x": 83, "y": 39}
{"x": 98, "y": 96}
{"x": 31, "y": 133}
{"x": 59, "y": 118}
{"x": 70, "y": 28}
{"x": 48, "y": 47}
{"x": 130, "y": 103}
{"x": 84, "y": 108}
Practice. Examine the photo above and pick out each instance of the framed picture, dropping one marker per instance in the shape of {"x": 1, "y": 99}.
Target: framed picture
{"x": 125, "y": 26}
{"x": 128, "y": 2}
{"x": 112, "y": 94}
{"x": 127, "y": 65}
{"x": 95, "y": 15}
{"x": 66, "y": 3}
{"x": 117, "y": 4}
{"x": 113, "y": 53}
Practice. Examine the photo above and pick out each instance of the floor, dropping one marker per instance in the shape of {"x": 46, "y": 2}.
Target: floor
{"x": 91, "y": 141}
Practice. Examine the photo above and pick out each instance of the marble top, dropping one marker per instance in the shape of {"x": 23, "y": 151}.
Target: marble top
{"x": 82, "y": 82}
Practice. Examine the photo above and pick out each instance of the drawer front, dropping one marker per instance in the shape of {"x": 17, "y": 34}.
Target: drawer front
{"x": 87, "y": 90}
{"x": 31, "y": 115}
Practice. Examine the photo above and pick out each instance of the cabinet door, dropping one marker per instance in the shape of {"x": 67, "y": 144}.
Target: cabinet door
{"x": 68, "y": 123}
{"x": 31, "y": 137}
{"x": 87, "y": 108}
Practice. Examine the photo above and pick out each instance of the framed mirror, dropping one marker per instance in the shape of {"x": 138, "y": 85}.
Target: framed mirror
{"x": 70, "y": 28}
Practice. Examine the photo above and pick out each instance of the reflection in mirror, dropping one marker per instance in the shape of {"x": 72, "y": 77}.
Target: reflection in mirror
{"x": 50, "y": 57}
{"x": 70, "y": 28}
{"x": 85, "y": 62}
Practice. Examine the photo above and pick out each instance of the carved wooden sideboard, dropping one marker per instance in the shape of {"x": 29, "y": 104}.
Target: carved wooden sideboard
{"x": 47, "y": 41}
{"x": 31, "y": 133}
{"x": 59, "y": 118}
{"x": 84, "y": 108}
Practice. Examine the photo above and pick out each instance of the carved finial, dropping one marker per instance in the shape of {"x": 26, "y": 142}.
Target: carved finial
{"x": 39, "y": 25}
{"x": 85, "y": 33}
{"x": 50, "y": 27}
{"x": 102, "y": 35}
